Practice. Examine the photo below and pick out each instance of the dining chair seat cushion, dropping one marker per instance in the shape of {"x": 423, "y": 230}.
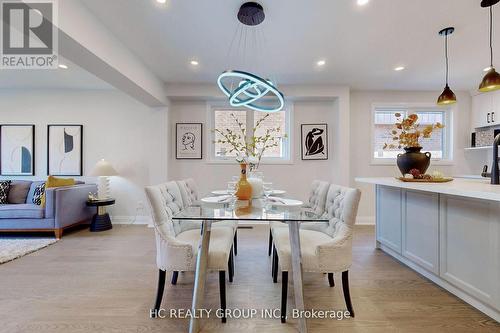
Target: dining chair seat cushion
{"x": 221, "y": 240}
{"x": 310, "y": 241}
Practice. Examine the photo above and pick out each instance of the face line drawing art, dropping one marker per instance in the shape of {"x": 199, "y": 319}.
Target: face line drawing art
{"x": 188, "y": 140}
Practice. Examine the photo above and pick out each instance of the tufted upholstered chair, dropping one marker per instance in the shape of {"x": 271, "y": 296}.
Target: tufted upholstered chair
{"x": 316, "y": 203}
{"x": 323, "y": 251}
{"x": 177, "y": 249}
{"x": 189, "y": 194}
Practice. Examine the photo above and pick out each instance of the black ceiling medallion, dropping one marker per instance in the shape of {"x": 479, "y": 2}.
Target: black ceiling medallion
{"x": 489, "y": 3}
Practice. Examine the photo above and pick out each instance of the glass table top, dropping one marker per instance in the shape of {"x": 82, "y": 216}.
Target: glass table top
{"x": 247, "y": 211}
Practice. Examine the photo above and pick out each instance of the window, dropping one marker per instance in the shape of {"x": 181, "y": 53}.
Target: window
{"x": 223, "y": 118}
{"x": 439, "y": 144}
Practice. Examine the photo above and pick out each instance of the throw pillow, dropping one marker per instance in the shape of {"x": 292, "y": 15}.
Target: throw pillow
{"x": 18, "y": 191}
{"x": 56, "y": 182}
{"x": 4, "y": 191}
{"x": 38, "y": 194}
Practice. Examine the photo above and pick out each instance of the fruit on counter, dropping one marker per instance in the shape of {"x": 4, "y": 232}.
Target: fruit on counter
{"x": 408, "y": 176}
{"x": 415, "y": 173}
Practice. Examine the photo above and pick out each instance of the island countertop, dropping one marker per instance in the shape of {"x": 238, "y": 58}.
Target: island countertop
{"x": 471, "y": 188}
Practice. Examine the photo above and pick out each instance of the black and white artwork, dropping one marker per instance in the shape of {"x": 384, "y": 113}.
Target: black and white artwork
{"x": 314, "y": 141}
{"x": 17, "y": 150}
{"x": 65, "y": 150}
{"x": 188, "y": 143}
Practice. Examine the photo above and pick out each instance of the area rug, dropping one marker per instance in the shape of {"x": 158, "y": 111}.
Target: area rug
{"x": 15, "y": 247}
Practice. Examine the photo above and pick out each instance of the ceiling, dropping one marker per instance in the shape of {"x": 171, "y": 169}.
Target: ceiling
{"x": 73, "y": 77}
{"x": 361, "y": 45}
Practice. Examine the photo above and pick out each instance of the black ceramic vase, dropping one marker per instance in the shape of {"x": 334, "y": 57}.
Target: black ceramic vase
{"x": 413, "y": 159}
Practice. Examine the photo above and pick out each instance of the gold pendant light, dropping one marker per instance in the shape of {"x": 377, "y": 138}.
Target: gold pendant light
{"x": 447, "y": 97}
{"x": 491, "y": 81}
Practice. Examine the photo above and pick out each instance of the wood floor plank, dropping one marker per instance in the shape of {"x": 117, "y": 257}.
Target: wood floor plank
{"x": 106, "y": 282}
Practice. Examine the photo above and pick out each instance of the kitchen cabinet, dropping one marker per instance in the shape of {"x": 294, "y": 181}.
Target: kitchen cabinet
{"x": 421, "y": 226}
{"x": 449, "y": 233}
{"x": 485, "y": 109}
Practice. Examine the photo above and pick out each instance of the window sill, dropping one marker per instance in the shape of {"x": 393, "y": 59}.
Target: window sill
{"x": 232, "y": 161}
{"x": 393, "y": 162}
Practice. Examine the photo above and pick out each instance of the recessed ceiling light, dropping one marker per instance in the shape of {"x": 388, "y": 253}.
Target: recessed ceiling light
{"x": 161, "y": 1}
{"x": 63, "y": 66}
{"x": 487, "y": 69}
{"x": 321, "y": 62}
{"x": 399, "y": 68}
{"x": 194, "y": 62}
{"x": 362, "y": 2}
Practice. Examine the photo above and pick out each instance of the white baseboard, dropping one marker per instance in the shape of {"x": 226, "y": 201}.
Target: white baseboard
{"x": 365, "y": 220}
{"x": 132, "y": 220}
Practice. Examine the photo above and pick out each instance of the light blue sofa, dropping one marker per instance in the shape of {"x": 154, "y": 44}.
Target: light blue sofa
{"x": 65, "y": 207}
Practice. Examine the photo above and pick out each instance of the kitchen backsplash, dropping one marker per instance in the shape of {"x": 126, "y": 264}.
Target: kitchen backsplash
{"x": 485, "y": 136}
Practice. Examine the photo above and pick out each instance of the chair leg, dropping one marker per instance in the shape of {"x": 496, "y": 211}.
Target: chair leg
{"x": 284, "y": 295}
{"x": 222, "y": 291}
{"x": 275, "y": 267}
{"x": 331, "y": 281}
{"x": 159, "y": 292}
{"x": 347, "y": 295}
{"x": 175, "y": 275}
{"x": 235, "y": 242}
{"x": 230, "y": 265}
{"x": 270, "y": 243}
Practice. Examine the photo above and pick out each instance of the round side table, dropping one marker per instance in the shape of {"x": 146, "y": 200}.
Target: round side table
{"x": 101, "y": 220}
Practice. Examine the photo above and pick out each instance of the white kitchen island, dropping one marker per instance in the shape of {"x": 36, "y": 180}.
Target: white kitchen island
{"x": 448, "y": 232}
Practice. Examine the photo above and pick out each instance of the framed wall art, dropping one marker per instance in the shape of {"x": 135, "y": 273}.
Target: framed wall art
{"x": 65, "y": 150}
{"x": 17, "y": 150}
{"x": 189, "y": 141}
{"x": 314, "y": 141}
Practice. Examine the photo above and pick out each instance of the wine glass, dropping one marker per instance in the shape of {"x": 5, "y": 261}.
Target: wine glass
{"x": 231, "y": 190}
{"x": 268, "y": 190}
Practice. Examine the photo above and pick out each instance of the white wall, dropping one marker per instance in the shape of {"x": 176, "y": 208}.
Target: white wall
{"x": 116, "y": 127}
{"x": 295, "y": 177}
{"x": 361, "y": 108}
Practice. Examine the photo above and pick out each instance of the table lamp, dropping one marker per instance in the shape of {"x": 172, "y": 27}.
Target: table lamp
{"x": 103, "y": 170}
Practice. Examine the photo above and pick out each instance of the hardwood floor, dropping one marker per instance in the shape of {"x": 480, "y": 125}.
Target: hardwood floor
{"x": 106, "y": 282}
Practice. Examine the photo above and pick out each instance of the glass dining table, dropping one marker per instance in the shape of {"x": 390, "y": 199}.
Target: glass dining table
{"x": 255, "y": 210}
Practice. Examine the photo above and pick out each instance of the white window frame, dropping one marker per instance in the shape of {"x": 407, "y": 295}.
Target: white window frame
{"x": 221, "y": 106}
{"x": 412, "y": 108}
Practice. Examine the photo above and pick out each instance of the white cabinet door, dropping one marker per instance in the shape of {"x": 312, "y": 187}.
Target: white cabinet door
{"x": 495, "y": 116}
{"x": 482, "y": 109}
{"x": 421, "y": 229}
{"x": 389, "y": 217}
{"x": 469, "y": 246}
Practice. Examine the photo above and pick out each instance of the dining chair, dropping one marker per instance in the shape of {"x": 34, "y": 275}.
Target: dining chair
{"x": 177, "y": 249}
{"x": 189, "y": 193}
{"x": 323, "y": 251}
{"x": 315, "y": 203}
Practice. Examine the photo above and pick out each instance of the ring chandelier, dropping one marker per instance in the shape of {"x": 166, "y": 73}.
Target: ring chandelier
{"x": 244, "y": 88}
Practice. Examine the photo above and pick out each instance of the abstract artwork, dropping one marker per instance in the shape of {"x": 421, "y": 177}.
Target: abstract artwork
{"x": 188, "y": 143}
{"x": 17, "y": 150}
{"x": 65, "y": 150}
{"x": 314, "y": 141}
